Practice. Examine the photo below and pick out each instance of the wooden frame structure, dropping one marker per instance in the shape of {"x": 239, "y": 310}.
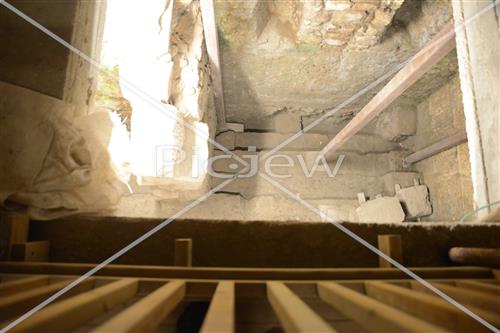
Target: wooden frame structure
{"x": 144, "y": 298}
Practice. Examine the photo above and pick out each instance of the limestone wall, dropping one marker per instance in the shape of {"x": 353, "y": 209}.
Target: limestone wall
{"x": 447, "y": 174}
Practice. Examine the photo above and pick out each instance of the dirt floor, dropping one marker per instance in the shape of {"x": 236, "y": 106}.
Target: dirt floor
{"x": 254, "y": 244}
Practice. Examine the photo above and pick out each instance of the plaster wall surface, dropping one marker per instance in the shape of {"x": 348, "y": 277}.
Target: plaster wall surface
{"x": 29, "y": 58}
{"x": 448, "y": 173}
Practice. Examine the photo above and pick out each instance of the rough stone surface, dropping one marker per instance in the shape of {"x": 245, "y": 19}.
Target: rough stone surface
{"x": 415, "y": 201}
{"x": 308, "y": 57}
{"x": 403, "y": 179}
{"x": 447, "y": 174}
{"x": 381, "y": 210}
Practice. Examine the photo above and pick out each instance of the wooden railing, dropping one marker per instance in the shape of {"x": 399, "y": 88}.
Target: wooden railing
{"x": 125, "y": 298}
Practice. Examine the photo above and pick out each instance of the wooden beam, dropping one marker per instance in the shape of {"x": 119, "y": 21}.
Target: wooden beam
{"x": 220, "y": 317}
{"x": 14, "y": 227}
{"x": 213, "y": 273}
{"x": 294, "y": 315}
{"x": 30, "y": 251}
{"x": 147, "y": 314}
{"x": 464, "y": 296}
{"x": 212, "y": 43}
{"x": 69, "y": 314}
{"x": 485, "y": 287}
{"x": 183, "y": 252}
{"x": 23, "y": 284}
{"x": 429, "y": 307}
{"x": 436, "y": 148}
{"x": 475, "y": 256}
{"x": 17, "y": 304}
{"x": 371, "y": 314}
{"x": 422, "y": 62}
{"x": 391, "y": 246}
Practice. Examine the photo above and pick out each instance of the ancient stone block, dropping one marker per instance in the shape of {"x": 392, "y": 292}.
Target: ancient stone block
{"x": 415, "y": 201}
{"x": 404, "y": 179}
{"x": 381, "y": 210}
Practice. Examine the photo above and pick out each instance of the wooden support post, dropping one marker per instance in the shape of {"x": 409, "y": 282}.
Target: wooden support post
{"x": 147, "y": 314}
{"x": 436, "y": 148}
{"x": 475, "y": 256}
{"x": 391, "y": 246}
{"x": 424, "y": 60}
{"x": 183, "y": 252}
{"x": 17, "y": 304}
{"x": 30, "y": 251}
{"x": 373, "y": 315}
{"x": 293, "y": 314}
{"x": 14, "y": 227}
{"x": 23, "y": 284}
{"x": 431, "y": 308}
{"x": 220, "y": 317}
{"x": 65, "y": 316}
{"x": 212, "y": 43}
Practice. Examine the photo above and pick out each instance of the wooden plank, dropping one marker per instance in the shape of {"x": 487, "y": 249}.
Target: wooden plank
{"x": 464, "y": 296}
{"x": 209, "y": 273}
{"x": 220, "y": 317}
{"x": 391, "y": 246}
{"x": 14, "y": 227}
{"x": 485, "y": 287}
{"x": 23, "y": 284}
{"x": 436, "y": 148}
{"x": 293, "y": 314}
{"x": 212, "y": 44}
{"x": 30, "y": 251}
{"x": 428, "y": 307}
{"x": 369, "y": 313}
{"x": 146, "y": 314}
{"x": 489, "y": 257}
{"x": 422, "y": 62}
{"x": 71, "y": 313}
{"x": 16, "y": 304}
{"x": 183, "y": 252}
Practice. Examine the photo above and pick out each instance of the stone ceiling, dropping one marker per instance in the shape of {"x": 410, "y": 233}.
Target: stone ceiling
{"x": 305, "y": 57}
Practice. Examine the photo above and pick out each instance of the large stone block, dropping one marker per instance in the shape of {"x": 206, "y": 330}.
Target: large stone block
{"x": 381, "y": 210}
{"x": 415, "y": 201}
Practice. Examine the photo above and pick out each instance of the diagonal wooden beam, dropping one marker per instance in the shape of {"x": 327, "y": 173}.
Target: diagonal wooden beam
{"x": 212, "y": 44}
{"x": 422, "y": 62}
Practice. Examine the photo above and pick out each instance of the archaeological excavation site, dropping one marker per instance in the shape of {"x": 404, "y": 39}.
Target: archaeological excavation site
{"x": 249, "y": 166}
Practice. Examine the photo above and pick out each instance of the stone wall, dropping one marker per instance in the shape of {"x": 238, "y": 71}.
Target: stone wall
{"x": 31, "y": 59}
{"x": 447, "y": 174}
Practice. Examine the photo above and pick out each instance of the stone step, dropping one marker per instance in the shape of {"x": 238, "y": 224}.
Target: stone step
{"x": 302, "y": 162}
{"x": 360, "y": 143}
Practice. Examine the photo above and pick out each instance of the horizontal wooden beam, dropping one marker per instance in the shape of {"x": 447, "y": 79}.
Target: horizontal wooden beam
{"x": 436, "y": 148}
{"x": 23, "y": 284}
{"x": 147, "y": 314}
{"x": 30, "y": 251}
{"x": 211, "y": 273}
{"x": 373, "y": 315}
{"x": 476, "y": 298}
{"x": 16, "y": 304}
{"x": 482, "y": 286}
{"x": 69, "y": 314}
{"x": 220, "y": 317}
{"x": 475, "y": 256}
{"x": 422, "y": 62}
{"x": 294, "y": 315}
{"x": 431, "y": 308}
